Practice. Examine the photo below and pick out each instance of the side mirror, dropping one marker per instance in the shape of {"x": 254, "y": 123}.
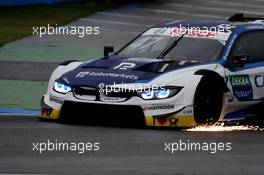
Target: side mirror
{"x": 239, "y": 61}
{"x": 107, "y": 50}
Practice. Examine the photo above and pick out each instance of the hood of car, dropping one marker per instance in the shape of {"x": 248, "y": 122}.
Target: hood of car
{"x": 118, "y": 70}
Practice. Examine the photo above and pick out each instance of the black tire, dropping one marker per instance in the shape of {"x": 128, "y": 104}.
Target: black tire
{"x": 260, "y": 115}
{"x": 208, "y": 101}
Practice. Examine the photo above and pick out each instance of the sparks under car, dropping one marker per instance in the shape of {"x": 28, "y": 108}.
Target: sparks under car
{"x": 200, "y": 77}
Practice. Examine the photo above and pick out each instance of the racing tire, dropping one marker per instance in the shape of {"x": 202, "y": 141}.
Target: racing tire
{"x": 208, "y": 101}
{"x": 260, "y": 120}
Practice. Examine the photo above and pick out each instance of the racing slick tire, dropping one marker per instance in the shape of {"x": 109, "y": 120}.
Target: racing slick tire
{"x": 208, "y": 101}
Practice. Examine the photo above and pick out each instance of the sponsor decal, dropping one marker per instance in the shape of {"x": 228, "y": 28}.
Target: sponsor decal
{"x": 259, "y": 81}
{"x": 242, "y": 87}
{"x": 106, "y": 74}
{"x": 55, "y": 99}
{"x": 158, "y": 107}
{"x": 48, "y": 112}
{"x": 173, "y": 121}
{"x": 82, "y": 74}
{"x": 125, "y": 66}
{"x": 187, "y": 111}
{"x": 161, "y": 121}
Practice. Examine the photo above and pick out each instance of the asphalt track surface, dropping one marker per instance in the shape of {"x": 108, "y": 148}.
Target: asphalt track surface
{"x": 125, "y": 150}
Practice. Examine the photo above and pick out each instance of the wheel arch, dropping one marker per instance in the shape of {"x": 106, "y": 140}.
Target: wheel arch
{"x": 212, "y": 75}
{"x": 215, "y": 83}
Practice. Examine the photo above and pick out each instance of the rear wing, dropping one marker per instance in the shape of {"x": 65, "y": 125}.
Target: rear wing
{"x": 240, "y": 17}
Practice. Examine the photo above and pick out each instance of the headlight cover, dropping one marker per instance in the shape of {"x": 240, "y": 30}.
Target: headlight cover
{"x": 162, "y": 93}
{"x": 62, "y": 88}
{"x": 147, "y": 95}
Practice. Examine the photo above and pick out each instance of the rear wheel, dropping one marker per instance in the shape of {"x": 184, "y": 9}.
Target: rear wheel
{"x": 208, "y": 101}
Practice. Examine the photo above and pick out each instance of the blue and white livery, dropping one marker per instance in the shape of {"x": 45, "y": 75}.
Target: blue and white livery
{"x": 175, "y": 74}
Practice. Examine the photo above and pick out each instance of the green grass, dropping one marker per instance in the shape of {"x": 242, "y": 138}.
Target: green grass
{"x": 17, "y": 22}
{"x": 21, "y": 94}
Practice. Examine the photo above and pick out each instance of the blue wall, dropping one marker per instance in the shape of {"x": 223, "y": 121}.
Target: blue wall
{"x": 25, "y": 2}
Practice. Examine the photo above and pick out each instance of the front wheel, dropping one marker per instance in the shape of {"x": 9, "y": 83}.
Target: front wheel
{"x": 208, "y": 101}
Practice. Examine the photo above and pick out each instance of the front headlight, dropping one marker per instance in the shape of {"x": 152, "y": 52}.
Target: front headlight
{"x": 61, "y": 88}
{"x": 147, "y": 95}
{"x": 162, "y": 93}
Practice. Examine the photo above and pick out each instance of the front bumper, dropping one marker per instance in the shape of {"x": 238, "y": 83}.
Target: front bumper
{"x": 159, "y": 115}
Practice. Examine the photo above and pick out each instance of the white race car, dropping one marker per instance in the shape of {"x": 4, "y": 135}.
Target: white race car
{"x": 176, "y": 74}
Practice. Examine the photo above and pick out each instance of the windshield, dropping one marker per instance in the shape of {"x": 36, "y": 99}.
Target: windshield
{"x": 188, "y": 48}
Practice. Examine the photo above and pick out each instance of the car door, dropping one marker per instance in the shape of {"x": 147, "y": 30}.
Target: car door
{"x": 245, "y": 67}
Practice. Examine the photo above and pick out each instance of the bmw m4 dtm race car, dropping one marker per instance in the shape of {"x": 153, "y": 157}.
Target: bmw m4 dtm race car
{"x": 175, "y": 74}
